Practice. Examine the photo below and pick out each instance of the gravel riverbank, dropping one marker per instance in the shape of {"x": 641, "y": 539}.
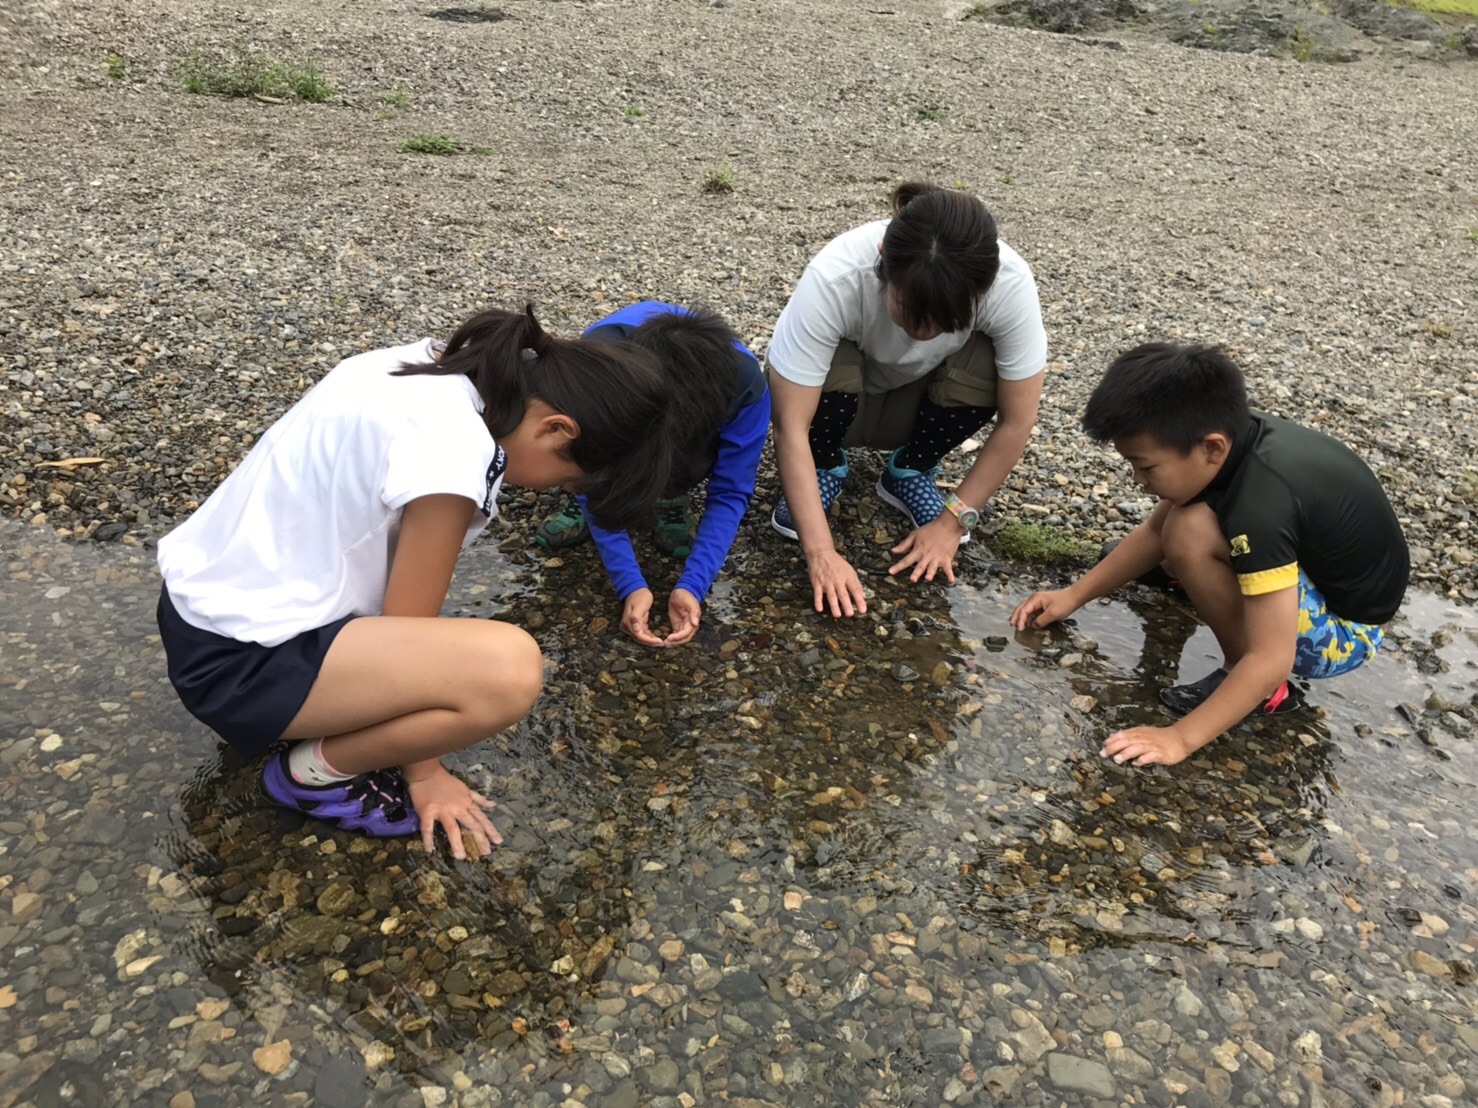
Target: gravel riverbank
{"x": 799, "y": 862}
{"x": 178, "y": 267}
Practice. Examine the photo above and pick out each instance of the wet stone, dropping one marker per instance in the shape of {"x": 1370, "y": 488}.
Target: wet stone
{"x": 1073, "y": 1074}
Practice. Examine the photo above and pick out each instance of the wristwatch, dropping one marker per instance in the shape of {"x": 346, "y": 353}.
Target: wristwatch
{"x": 967, "y": 515}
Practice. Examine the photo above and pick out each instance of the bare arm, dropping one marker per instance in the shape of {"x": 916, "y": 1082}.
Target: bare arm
{"x": 1141, "y": 550}
{"x": 431, "y": 533}
{"x": 1272, "y": 633}
{"x": 792, "y": 408}
{"x": 1272, "y": 629}
{"x": 835, "y": 585}
{"x": 1016, "y": 414}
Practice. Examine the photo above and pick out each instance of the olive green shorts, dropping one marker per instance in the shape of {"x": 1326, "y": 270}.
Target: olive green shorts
{"x": 885, "y": 420}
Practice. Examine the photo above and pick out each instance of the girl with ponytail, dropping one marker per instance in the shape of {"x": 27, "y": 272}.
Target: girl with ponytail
{"x": 300, "y": 605}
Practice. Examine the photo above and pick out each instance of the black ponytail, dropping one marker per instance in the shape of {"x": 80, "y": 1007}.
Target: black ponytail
{"x": 940, "y": 255}
{"x": 615, "y": 392}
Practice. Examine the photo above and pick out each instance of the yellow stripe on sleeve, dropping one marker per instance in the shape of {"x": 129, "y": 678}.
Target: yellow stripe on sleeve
{"x": 1268, "y": 580}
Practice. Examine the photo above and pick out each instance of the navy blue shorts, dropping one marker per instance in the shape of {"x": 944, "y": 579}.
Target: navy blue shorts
{"x": 245, "y": 692}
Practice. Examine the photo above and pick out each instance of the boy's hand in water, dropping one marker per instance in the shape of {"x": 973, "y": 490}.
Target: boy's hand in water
{"x": 442, "y": 799}
{"x": 683, "y": 612}
{"x": 1043, "y": 608}
{"x": 835, "y": 584}
{"x": 1147, "y": 746}
{"x": 634, "y": 616}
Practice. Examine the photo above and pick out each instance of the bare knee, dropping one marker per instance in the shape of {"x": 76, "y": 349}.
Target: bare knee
{"x": 511, "y": 667}
{"x": 1192, "y": 535}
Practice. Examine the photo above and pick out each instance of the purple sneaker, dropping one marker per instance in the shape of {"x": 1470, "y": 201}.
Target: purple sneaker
{"x": 375, "y": 804}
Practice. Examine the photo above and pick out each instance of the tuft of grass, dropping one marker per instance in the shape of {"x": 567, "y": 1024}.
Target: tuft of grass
{"x": 1439, "y": 330}
{"x": 115, "y": 66}
{"x": 247, "y": 73}
{"x": 1210, "y": 29}
{"x": 1008, "y": 178}
{"x": 1302, "y": 46}
{"x": 397, "y": 98}
{"x": 1438, "y": 7}
{"x": 430, "y": 144}
{"x": 720, "y": 179}
{"x": 980, "y": 10}
{"x": 930, "y": 113}
{"x": 1467, "y": 486}
{"x": 1039, "y": 542}
{"x": 1473, "y": 234}
{"x": 634, "y": 111}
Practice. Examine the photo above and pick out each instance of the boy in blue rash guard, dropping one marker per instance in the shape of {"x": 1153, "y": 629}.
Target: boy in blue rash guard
{"x": 720, "y": 417}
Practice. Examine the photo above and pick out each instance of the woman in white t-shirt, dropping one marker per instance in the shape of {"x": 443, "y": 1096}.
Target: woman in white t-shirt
{"x": 300, "y": 601}
{"x": 920, "y": 330}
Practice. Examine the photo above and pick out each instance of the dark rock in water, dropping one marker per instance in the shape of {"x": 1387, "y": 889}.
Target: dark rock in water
{"x": 110, "y": 532}
{"x": 97, "y": 830}
{"x": 339, "y": 1084}
{"x": 1296, "y": 850}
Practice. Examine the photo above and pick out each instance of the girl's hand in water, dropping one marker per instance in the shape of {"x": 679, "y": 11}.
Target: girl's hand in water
{"x": 442, "y": 799}
{"x": 634, "y": 616}
{"x": 683, "y": 613}
{"x": 835, "y": 585}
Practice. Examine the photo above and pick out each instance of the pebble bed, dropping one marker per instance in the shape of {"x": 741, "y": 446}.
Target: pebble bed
{"x": 802, "y": 862}
{"x": 870, "y": 863}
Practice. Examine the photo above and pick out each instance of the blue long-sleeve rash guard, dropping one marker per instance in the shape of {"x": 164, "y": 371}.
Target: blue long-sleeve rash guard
{"x": 730, "y": 485}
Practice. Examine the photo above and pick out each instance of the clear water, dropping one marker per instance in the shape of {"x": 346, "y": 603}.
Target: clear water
{"x": 762, "y": 869}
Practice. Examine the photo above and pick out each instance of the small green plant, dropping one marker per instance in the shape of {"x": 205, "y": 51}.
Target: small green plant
{"x": 481, "y": 151}
{"x": 1210, "y": 29}
{"x": 1008, "y": 178}
{"x": 396, "y": 98}
{"x": 430, "y": 144}
{"x": 720, "y": 179}
{"x": 307, "y": 81}
{"x": 930, "y": 113}
{"x": 1302, "y": 46}
{"x": 248, "y": 73}
{"x": 980, "y": 10}
{"x": 634, "y": 111}
{"x": 1473, "y": 234}
{"x": 116, "y": 68}
{"x": 1039, "y": 542}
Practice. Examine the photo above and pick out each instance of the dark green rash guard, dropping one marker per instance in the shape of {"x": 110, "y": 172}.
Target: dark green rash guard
{"x": 1290, "y": 498}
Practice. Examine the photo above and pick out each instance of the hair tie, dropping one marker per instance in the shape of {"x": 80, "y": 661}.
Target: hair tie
{"x": 528, "y": 354}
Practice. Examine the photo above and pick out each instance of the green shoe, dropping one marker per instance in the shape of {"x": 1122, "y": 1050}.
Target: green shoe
{"x": 566, "y": 527}
{"x": 676, "y": 527}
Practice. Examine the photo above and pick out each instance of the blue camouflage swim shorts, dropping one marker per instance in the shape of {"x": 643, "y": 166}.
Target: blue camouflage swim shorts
{"x": 1327, "y": 645}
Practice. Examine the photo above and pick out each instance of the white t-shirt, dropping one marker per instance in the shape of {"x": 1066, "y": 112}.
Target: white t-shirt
{"x": 839, "y": 297}
{"x": 303, "y": 531}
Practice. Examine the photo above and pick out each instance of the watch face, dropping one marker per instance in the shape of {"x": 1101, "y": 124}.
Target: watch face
{"x": 968, "y": 518}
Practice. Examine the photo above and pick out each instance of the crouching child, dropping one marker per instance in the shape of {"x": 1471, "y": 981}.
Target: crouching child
{"x": 1282, "y": 538}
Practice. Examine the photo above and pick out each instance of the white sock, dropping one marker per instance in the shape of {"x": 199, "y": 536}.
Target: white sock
{"x": 306, "y": 763}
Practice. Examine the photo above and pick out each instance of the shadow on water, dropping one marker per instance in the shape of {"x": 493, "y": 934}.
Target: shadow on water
{"x": 803, "y": 861}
